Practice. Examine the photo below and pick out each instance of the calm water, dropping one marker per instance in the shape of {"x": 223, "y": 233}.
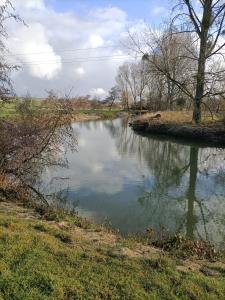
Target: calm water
{"x": 140, "y": 182}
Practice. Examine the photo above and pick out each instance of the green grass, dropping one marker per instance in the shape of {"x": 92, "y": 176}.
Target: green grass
{"x": 39, "y": 260}
{"x": 8, "y": 110}
{"x": 103, "y": 113}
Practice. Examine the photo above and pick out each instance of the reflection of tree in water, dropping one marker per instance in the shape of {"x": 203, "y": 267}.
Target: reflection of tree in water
{"x": 191, "y": 220}
{"x": 167, "y": 161}
{"x": 186, "y": 179}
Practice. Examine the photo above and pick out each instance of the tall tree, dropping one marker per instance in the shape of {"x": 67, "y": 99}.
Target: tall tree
{"x": 187, "y": 51}
{"x": 206, "y": 19}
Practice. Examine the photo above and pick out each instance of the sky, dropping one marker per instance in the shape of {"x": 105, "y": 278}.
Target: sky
{"x": 74, "y": 45}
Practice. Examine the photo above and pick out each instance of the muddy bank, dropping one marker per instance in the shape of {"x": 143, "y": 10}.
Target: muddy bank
{"x": 214, "y": 136}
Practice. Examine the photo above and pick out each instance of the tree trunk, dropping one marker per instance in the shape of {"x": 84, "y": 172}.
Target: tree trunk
{"x": 140, "y": 97}
{"x": 206, "y": 18}
{"x": 199, "y": 85}
{"x": 168, "y": 94}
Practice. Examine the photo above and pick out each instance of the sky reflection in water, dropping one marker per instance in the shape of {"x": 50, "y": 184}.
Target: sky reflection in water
{"x": 144, "y": 182}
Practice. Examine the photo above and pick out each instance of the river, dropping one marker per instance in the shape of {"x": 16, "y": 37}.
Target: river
{"x": 137, "y": 183}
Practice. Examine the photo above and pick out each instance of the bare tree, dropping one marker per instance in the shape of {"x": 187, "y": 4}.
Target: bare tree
{"x": 186, "y": 51}
{"x": 206, "y": 19}
{"x": 143, "y": 79}
{"x": 132, "y": 80}
{"x": 121, "y": 80}
{"x": 113, "y": 95}
{"x": 170, "y": 57}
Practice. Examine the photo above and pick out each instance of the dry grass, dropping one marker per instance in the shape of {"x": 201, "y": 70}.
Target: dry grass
{"x": 178, "y": 118}
{"x": 167, "y": 117}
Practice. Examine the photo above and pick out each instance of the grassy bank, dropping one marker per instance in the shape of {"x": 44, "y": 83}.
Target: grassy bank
{"x": 181, "y": 118}
{"x": 53, "y": 256}
{"x": 180, "y": 125}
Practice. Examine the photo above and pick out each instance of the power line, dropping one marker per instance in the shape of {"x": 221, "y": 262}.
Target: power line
{"x": 61, "y": 50}
{"x": 81, "y": 60}
{"x": 71, "y": 62}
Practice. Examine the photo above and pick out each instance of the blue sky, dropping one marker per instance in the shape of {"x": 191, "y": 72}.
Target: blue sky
{"x": 149, "y": 10}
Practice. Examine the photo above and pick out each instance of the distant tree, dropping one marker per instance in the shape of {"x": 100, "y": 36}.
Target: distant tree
{"x": 143, "y": 79}
{"x": 122, "y": 82}
{"x": 114, "y": 94}
{"x": 132, "y": 80}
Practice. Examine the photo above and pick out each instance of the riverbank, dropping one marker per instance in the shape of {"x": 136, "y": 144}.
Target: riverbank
{"x": 179, "y": 125}
{"x": 47, "y": 254}
{"x": 91, "y": 115}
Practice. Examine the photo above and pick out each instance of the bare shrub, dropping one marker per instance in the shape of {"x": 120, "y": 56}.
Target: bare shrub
{"x": 36, "y": 139}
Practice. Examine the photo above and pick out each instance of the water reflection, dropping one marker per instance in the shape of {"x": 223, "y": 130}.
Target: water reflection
{"x": 139, "y": 182}
{"x": 191, "y": 220}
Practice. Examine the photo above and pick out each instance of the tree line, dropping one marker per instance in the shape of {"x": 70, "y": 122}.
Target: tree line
{"x": 180, "y": 65}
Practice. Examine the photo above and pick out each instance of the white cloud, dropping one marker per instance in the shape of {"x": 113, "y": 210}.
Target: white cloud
{"x": 80, "y": 71}
{"x": 158, "y": 10}
{"x": 98, "y": 92}
{"x": 109, "y": 13}
{"x": 33, "y": 49}
{"x": 51, "y": 33}
{"x": 39, "y": 4}
{"x": 96, "y": 40}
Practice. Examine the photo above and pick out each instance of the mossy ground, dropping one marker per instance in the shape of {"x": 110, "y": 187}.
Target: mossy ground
{"x": 42, "y": 259}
